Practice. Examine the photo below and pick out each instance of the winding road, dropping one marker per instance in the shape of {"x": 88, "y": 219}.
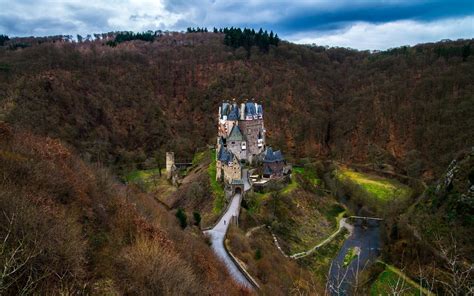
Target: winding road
{"x": 342, "y": 224}
{"x": 217, "y": 235}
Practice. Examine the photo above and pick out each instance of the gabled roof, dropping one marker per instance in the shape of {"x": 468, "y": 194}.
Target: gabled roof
{"x": 225, "y": 108}
{"x": 234, "y": 113}
{"x": 272, "y": 156}
{"x": 267, "y": 170}
{"x": 224, "y": 155}
{"x": 236, "y": 134}
{"x": 231, "y": 111}
{"x": 252, "y": 109}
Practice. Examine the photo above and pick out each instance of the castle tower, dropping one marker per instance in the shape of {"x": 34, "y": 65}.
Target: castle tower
{"x": 169, "y": 164}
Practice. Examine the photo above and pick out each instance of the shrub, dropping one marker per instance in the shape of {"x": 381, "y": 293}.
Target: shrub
{"x": 181, "y": 215}
{"x": 197, "y": 218}
{"x": 147, "y": 268}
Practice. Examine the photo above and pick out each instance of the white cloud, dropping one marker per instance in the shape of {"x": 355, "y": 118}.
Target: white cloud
{"x": 292, "y": 20}
{"x": 46, "y": 17}
{"x": 363, "y": 35}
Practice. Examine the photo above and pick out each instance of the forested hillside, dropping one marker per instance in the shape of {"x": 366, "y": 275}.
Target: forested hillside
{"x": 121, "y": 105}
{"x": 69, "y": 228}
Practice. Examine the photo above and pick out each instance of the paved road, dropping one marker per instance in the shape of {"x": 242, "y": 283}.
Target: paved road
{"x": 218, "y": 232}
{"x": 245, "y": 177}
{"x": 217, "y": 237}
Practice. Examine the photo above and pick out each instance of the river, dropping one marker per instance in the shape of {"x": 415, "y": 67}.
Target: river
{"x": 366, "y": 237}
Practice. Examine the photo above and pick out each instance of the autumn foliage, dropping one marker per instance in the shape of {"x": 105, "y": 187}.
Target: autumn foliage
{"x": 67, "y": 227}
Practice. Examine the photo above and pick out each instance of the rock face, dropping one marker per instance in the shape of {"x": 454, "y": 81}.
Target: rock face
{"x": 449, "y": 205}
{"x": 459, "y": 178}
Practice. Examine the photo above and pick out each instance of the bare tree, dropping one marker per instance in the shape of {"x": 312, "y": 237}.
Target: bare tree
{"x": 460, "y": 280}
{"x": 14, "y": 259}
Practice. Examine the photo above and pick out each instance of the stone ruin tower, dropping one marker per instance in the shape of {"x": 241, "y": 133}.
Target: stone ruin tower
{"x": 170, "y": 166}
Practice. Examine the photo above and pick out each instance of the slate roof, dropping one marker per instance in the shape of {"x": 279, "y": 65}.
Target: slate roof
{"x": 252, "y": 110}
{"x": 236, "y": 134}
{"x": 234, "y": 113}
{"x": 230, "y": 110}
{"x": 225, "y": 107}
{"x": 267, "y": 170}
{"x": 272, "y": 156}
{"x": 224, "y": 155}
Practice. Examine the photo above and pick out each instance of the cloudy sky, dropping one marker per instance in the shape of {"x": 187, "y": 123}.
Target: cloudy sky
{"x": 370, "y": 24}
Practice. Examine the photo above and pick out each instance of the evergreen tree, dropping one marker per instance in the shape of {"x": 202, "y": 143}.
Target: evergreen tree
{"x": 181, "y": 215}
{"x": 3, "y": 39}
{"x": 197, "y": 218}
{"x": 246, "y": 38}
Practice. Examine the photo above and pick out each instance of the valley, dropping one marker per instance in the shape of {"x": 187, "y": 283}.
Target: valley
{"x": 299, "y": 169}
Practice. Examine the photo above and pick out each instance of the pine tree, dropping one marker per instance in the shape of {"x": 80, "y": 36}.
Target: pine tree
{"x": 181, "y": 215}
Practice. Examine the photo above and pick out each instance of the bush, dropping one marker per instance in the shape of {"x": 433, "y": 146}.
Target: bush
{"x": 147, "y": 268}
{"x": 197, "y": 218}
{"x": 181, "y": 215}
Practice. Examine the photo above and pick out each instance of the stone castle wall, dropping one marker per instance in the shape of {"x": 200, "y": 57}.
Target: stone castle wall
{"x": 236, "y": 148}
{"x": 232, "y": 172}
{"x": 251, "y": 128}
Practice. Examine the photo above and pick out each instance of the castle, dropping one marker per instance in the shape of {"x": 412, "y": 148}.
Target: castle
{"x": 240, "y": 140}
{"x": 241, "y": 130}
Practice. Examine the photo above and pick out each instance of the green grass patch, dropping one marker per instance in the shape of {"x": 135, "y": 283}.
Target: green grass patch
{"x": 319, "y": 262}
{"x": 309, "y": 174}
{"x": 198, "y": 157}
{"x": 216, "y": 187}
{"x": 393, "y": 280}
{"x": 382, "y": 188}
{"x": 334, "y": 212}
{"x": 350, "y": 256}
{"x": 146, "y": 179}
{"x": 290, "y": 187}
{"x": 255, "y": 201}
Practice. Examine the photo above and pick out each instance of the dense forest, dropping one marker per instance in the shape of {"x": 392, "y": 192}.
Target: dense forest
{"x": 122, "y": 105}
{"x": 76, "y": 113}
{"x": 70, "y": 228}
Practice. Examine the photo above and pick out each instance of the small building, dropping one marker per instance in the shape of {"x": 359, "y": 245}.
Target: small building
{"x": 273, "y": 163}
{"x": 228, "y": 167}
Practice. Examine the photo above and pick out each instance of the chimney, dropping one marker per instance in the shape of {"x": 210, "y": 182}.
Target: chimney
{"x": 220, "y": 112}
{"x": 242, "y": 111}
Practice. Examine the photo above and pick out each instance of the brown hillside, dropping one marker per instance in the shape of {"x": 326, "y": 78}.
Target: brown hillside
{"x": 120, "y": 105}
{"x": 68, "y": 228}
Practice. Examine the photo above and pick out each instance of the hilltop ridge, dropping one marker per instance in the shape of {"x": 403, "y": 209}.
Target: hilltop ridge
{"x": 120, "y": 105}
